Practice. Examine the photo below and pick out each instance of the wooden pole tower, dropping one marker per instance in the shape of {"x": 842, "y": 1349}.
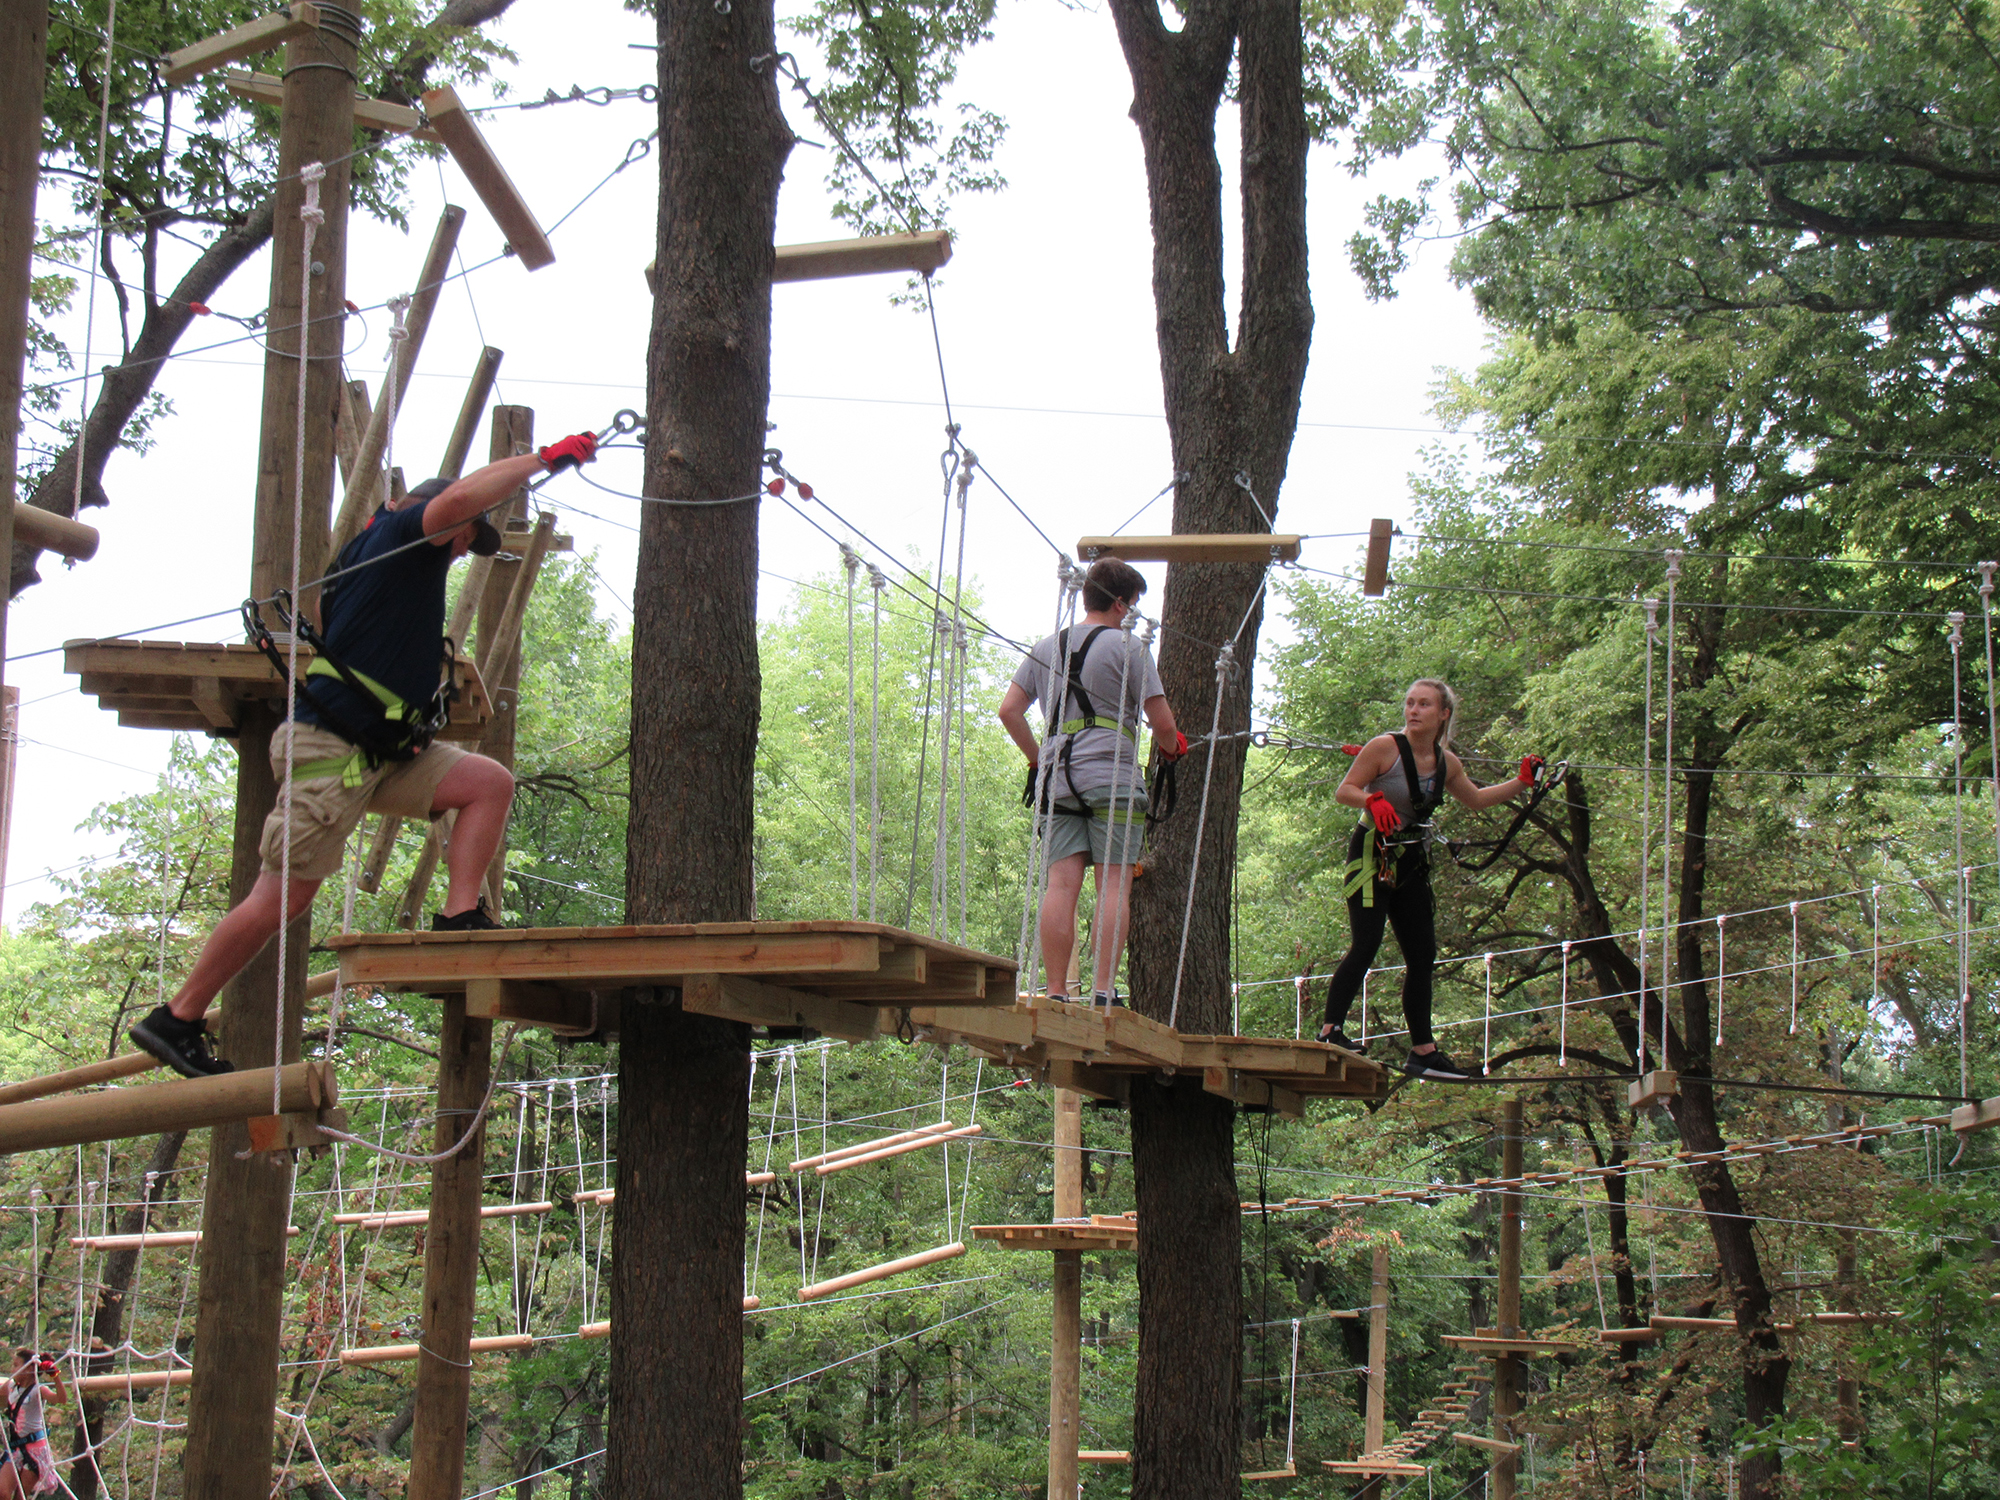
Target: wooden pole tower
{"x": 248, "y": 1203}
{"x": 1509, "y": 1369}
{"x": 1066, "y": 1283}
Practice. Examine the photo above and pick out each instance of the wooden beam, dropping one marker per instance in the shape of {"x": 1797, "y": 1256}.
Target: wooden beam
{"x": 1066, "y": 1302}
{"x": 1491, "y": 1445}
{"x": 870, "y": 255}
{"x": 123, "y": 1385}
{"x": 1981, "y": 1116}
{"x": 878, "y": 1273}
{"x": 475, "y": 158}
{"x": 384, "y": 1354}
{"x": 148, "y": 1109}
{"x": 169, "y": 1240}
{"x": 499, "y": 655}
{"x": 739, "y": 997}
{"x": 1378, "y": 1352}
{"x": 379, "y": 852}
{"x": 1247, "y": 547}
{"x": 807, "y": 1163}
{"x": 1377, "y": 1466}
{"x": 1656, "y": 1087}
{"x": 364, "y": 488}
{"x": 402, "y": 1220}
{"x": 564, "y": 1012}
{"x": 477, "y": 394}
{"x": 826, "y": 1168}
{"x": 34, "y": 527}
{"x": 1375, "y": 574}
{"x": 127, "y": 1065}
{"x": 1253, "y": 1093}
{"x": 369, "y": 114}
{"x": 1118, "y": 1456}
{"x": 1697, "y": 1325}
{"x": 261, "y": 35}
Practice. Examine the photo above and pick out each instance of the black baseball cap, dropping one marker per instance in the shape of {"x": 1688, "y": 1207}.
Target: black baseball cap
{"x": 485, "y": 535}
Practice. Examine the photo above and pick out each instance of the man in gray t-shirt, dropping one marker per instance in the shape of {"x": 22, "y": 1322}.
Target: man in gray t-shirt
{"x": 1093, "y": 682}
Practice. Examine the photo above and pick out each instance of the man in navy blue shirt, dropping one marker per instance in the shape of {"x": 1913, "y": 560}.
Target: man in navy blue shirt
{"x": 350, "y": 736}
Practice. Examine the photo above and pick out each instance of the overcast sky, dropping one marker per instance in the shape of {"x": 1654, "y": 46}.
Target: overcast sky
{"x": 1046, "y": 325}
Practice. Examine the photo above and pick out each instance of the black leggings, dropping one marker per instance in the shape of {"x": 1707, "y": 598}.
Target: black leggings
{"x": 1408, "y": 908}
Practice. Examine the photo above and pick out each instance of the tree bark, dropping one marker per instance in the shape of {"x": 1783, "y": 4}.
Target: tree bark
{"x": 676, "y": 1406}
{"x": 1231, "y": 414}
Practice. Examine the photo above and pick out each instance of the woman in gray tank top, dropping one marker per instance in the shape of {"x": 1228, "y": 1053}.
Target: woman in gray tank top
{"x": 1396, "y": 782}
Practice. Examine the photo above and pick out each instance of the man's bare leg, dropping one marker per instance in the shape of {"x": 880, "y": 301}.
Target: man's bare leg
{"x": 1114, "y": 921}
{"x": 237, "y": 939}
{"x": 1058, "y": 919}
{"x": 481, "y": 790}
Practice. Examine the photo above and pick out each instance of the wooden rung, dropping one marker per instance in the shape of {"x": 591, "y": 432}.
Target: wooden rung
{"x": 408, "y": 1217}
{"x": 605, "y": 1197}
{"x": 1981, "y": 1116}
{"x": 759, "y": 1179}
{"x": 923, "y": 252}
{"x": 1285, "y": 1473}
{"x": 877, "y": 1273}
{"x": 807, "y": 1163}
{"x": 1491, "y": 1445}
{"x": 127, "y": 1065}
{"x": 1655, "y": 1087}
{"x": 1375, "y": 575}
{"x": 462, "y": 138}
{"x": 1103, "y": 1456}
{"x": 941, "y": 1137}
{"x": 149, "y": 1109}
{"x": 168, "y": 1240}
{"x": 34, "y": 527}
{"x": 1220, "y": 546}
{"x": 261, "y": 35}
{"x": 1628, "y": 1336}
{"x": 1699, "y": 1325}
{"x": 383, "y": 1354}
{"x": 137, "y": 1380}
{"x": 1377, "y": 1466}
{"x": 369, "y": 114}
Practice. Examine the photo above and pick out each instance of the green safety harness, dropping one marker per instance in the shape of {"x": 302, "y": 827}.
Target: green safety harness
{"x": 1161, "y": 794}
{"x": 1381, "y": 855}
{"x": 400, "y": 730}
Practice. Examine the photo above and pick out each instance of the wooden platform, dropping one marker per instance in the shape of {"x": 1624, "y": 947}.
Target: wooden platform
{"x": 1098, "y": 1052}
{"x": 194, "y": 686}
{"x": 1487, "y": 1347}
{"x": 1378, "y": 1466}
{"x": 1103, "y": 1232}
{"x": 843, "y": 979}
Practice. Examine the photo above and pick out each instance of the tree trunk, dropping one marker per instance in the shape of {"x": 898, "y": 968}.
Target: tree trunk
{"x": 676, "y": 1406}
{"x": 1231, "y": 414}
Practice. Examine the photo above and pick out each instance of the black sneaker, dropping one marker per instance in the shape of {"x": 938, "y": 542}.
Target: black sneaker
{"x": 1105, "y": 999}
{"x": 181, "y": 1045}
{"x": 477, "y": 919}
{"x": 1439, "y": 1066}
{"x": 1333, "y": 1036}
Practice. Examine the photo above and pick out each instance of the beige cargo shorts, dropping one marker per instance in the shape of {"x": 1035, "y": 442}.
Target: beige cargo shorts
{"x": 325, "y": 810}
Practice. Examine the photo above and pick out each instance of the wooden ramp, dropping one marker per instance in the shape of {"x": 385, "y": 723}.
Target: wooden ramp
{"x": 843, "y": 979}
{"x": 191, "y": 686}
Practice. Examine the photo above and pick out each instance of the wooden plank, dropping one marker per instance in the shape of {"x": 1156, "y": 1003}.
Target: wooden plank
{"x": 1085, "y": 1079}
{"x": 461, "y": 136}
{"x": 1699, "y": 1325}
{"x": 870, "y": 255}
{"x": 369, "y": 114}
{"x": 1491, "y": 1445}
{"x": 1250, "y": 547}
{"x": 34, "y": 527}
{"x": 564, "y": 1012}
{"x": 1499, "y": 1348}
{"x": 127, "y": 1065}
{"x": 1253, "y": 1093}
{"x": 1075, "y": 1027}
{"x": 1981, "y": 1116}
{"x": 115, "y": 1386}
{"x": 942, "y": 1137}
{"x": 1375, "y": 573}
{"x": 1108, "y": 1456}
{"x": 738, "y": 998}
{"x": 878, "y": 1273}
{"x": 1375, "y": 1466}
{"x": 425, "y": 962}
{"x": 261, "y": 35}
{"x": 1628, "y": 1336}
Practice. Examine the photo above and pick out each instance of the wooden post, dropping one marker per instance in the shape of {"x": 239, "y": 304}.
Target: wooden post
{"x": 10, "y": 741}
{"x": 24, "y": 36}
{"x": 451, "y": 1261}
{"x": 465, "y": 1063}
{"x": 1847, "y": 1385}
{"x": 476, "y": 396}
{"x": 1373, "y": 1422}
{"x": 248, "y": 1198}
{"x": 1507, "y": 1371}
{"x": 1066, "y": 1286}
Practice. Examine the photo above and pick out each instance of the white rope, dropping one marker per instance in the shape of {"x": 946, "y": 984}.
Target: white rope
{"x": 968, "y": 465}
{"x": 877, "y": 581}
{"x": 964, "y": 794}
{"x": 311, "y": 216}
{"x": 1029, "y": 955}
{"x": 1957, "y": 638}
{"x": 1590, "y": 1243}
{"x": 1487, "y": 1057}
{"x": 1562, "y": 1045}
{"x": 1722, "y": 971}
{"x": 1645, "y": 826}
{"x": 1114, "y": 939}
{"x": 1364, "y": 1005}
{"x": 1986, "y": 571}
{"x": 850, "y": 562}
{"x": 770, "y": 1145}
{"x": 1793, "y": 1029}
{"x": 399, "y": 309}
{"x": 1224, "y": 660}
{"x": 1667, "y": 912}
{"x": 478, "y": 1119}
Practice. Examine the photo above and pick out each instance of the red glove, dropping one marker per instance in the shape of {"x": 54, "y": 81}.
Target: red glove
{"x": 1531, "y": 767}
{"x": 577, "y": 448}
{"x": 1350, "y": 749}
{"x": 1177, "y": 749}
{"x": 1383, "y": 811}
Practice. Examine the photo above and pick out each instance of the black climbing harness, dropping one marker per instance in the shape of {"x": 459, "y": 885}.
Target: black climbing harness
{"x": 1379, "y": 858}
{"x": 399, "y": 730}
{"x": 1162, "y": 792}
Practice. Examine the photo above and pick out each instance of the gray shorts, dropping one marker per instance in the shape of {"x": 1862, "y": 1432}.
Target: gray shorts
{"x": 1108, "y": 838}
